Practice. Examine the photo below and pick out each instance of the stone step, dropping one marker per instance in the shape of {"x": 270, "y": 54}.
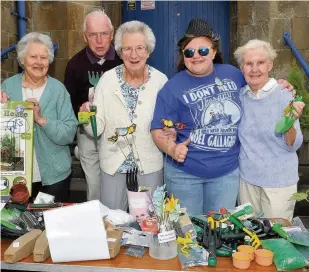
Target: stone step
{"x": 77, "y": 170}
{"x": 78, "y": 184}
{"x": 78, "y": 196}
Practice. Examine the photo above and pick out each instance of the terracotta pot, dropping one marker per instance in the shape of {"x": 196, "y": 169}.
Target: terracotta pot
{"x": 19, "y": 193}
{"x": 241, "y": 260}
{"x": 247, "y": 249}
{"x": 264, "y": 257}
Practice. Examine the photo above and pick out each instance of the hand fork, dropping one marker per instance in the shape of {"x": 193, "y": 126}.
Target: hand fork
{"x": 93, "y": 78}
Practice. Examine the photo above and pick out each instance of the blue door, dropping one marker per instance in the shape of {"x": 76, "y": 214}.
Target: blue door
{"x": 169, "y": 21}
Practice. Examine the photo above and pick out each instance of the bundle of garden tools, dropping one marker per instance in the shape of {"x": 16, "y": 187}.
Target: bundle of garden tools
{"x": 220, "y": 239}
{"x": 131, "y": 180}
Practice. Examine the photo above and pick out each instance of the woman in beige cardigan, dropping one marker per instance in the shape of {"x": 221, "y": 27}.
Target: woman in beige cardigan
{"x": 125, "y": 98}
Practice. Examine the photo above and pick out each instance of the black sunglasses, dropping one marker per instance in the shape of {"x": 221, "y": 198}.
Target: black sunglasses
{"x": 189, "y": 52}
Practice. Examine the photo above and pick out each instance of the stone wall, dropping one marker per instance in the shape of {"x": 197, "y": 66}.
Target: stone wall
{"x": 268, "y": 20}
{"x": 8, "y": 37}
{"x": 61, "y": 20}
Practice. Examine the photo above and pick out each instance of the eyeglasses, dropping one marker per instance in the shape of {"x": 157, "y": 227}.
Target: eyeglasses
{"x": 139, "y": 50}
{"x": 95, "y": 35}
{"x": 189, "y": 52}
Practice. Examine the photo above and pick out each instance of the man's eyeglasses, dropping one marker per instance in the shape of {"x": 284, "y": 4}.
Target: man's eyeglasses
{"x": 95, "y": 35}
{"x": 189, "y": 52}
{"x": 139, "y": 50}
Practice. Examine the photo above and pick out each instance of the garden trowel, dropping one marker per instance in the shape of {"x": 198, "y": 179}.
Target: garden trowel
{"x": 278, "y": 229}
{"x": 285, "y": 123}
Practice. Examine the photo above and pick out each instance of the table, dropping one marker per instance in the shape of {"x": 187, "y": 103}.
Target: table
{"x": 121, "y": 263}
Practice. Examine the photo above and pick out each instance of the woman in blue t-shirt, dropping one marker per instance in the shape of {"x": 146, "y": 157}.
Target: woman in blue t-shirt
{"x": 202, "y": 104}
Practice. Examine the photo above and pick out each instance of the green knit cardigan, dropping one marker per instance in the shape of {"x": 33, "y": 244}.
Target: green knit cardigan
{"x": 51, "y": 141}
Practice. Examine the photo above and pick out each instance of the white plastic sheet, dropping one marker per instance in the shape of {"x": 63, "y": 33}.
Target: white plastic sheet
{"x": 77, "y": 232}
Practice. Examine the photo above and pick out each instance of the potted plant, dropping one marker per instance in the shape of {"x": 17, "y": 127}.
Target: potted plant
{"x": 300, "y": 196}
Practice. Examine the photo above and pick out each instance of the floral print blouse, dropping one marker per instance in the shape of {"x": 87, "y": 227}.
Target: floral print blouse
{"x": 130, "y": 95}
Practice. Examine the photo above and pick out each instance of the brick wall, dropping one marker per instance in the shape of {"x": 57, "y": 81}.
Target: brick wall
{"x": 268, "y": 20}
{"x": 61, "y": 20}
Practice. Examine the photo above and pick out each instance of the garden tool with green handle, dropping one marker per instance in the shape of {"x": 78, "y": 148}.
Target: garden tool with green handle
{"x": 287, "y": 121}
{"x": 93, "y": 78}
{"x": 212, "y": 239}
{"x": 247, "y": 210}
{"x": 93, "y": 121}
{"x": 255, "y": 241}
{"x": 85, "y": 117}
{"x": 282, "y": 233}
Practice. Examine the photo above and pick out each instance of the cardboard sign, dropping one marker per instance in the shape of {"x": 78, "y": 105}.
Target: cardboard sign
{"x": 147, "y": 4}
{"x": 16, "y": 141}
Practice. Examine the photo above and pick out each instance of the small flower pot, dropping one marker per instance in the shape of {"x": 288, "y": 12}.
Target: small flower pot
{"x": 19, "y": 193}
{"x": 241, "y": 260}
{"x": 247, "y": 249}
{"x": 264, "y": 257}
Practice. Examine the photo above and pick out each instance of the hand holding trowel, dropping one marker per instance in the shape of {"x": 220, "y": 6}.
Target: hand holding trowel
{"x": 84, "y": 117}
{"x": 287, "y": 121}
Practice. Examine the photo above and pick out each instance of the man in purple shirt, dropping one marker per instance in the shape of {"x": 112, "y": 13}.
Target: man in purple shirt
{"x": 98, "y": 57}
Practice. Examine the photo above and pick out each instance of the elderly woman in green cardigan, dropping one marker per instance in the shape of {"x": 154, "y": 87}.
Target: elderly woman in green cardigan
{"x": 55, "y": 122}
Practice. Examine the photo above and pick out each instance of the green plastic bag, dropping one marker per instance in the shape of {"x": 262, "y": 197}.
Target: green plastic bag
{"x": 286, "y": 256}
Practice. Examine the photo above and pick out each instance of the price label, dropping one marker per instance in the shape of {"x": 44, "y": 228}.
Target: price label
{"x": 166, "y": 236}
{"x": 16, "y": 244}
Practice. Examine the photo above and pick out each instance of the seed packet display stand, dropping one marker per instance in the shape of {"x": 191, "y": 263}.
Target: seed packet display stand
{"x": 16, "y": 140}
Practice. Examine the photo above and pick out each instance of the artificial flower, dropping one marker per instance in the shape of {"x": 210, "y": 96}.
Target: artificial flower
{"x": 171, "y": 204}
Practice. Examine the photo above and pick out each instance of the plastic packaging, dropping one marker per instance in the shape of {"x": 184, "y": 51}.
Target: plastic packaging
{"x": 300, "y": 234}
{"x": 136, "y": 251}
{"x": 135, "y": 237}
{"x": 301, "y": 222}
{"x": 192, "y": 258}
{"x": 286, "y": 256}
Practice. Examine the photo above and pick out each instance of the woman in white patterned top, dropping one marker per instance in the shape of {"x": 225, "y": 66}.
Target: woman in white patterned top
{"x": 125, "y": 99}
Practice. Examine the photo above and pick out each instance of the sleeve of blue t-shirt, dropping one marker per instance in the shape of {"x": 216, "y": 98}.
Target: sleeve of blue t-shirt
{"x": 166, "y": 108}
{"x": 243, "y": 81}
{"x": 241, "y": 77}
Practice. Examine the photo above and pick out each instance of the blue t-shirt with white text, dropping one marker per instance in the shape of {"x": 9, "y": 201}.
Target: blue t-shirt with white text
{"x": 209, "y": 110}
